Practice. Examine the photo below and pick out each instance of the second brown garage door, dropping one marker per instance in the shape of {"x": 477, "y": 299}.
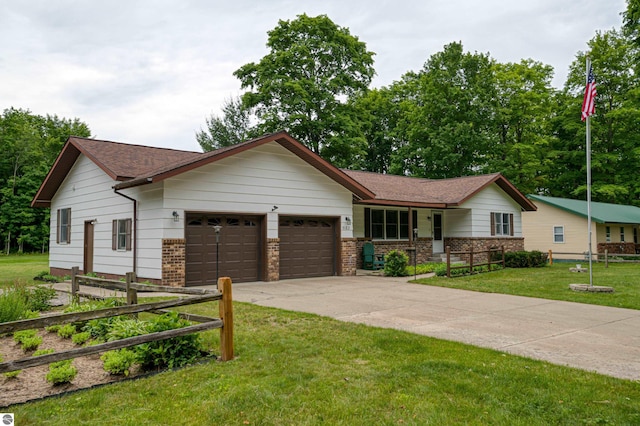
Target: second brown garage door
{"x": 240, "y": 242}
{"x": 307, "y": 247}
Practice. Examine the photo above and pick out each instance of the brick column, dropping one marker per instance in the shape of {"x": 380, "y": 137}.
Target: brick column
{"x": 173, "y": 262}
{"x": 273, "y": 259}
{"x": 349, "y": 259}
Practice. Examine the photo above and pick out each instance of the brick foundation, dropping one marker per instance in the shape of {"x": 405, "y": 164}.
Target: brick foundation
{"x": 273, "y": 259}
{"x": 348, "y": 250}
{"x": 173, "y": 262}
{"x": 424, "y": 249}
{"x": 479, "y": 244}
{"x": 617, "y": 248}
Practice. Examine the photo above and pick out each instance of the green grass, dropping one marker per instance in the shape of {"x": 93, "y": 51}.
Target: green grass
{"x": 22, "y": 268}
{"x": 552, "y": 282}
{"x": 302, "y": 369}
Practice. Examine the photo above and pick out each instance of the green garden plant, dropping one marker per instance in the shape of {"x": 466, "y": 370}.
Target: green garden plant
{"x": 119, "y": 362}
{"x": 61, "y": 372}
{"x": 66, "y": 331}
{"x": 22, "y": 335}
{"x": 395, "y": 263}
{"x": 81, "y": 338}
{"x": 31, "y": 343}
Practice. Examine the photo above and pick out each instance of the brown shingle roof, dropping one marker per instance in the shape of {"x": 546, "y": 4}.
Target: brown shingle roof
{"x": 440, "y": 193}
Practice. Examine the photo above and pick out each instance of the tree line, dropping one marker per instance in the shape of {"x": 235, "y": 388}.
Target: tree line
{"x": 462, "y": 114}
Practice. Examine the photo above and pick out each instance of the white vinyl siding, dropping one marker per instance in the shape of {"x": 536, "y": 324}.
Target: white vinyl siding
{"x": 489, "y": 200}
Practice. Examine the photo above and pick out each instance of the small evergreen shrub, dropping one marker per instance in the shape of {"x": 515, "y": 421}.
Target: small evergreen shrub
{"x": 81, "y": 338}
{"x": 61, "y": 372}
{"x": 118, "y": 362}
{"x": 66, "y": 331}
{"x": 523, "y": 259}
{"x": 395, "y": 263}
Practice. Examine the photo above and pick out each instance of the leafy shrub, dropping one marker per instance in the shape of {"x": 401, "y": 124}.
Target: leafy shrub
{"x": 52, "y": 328}
{"x": 40, "y": 352}
{"x": 175, "y": 352}
{"x": 66, "y": 331}
{"x": 118, "y": 362}
{"x": 127, "y": 328}
{"x": 46, "y": 276}
{"x": 39, "y": 297}
{"x": 423, "y": 268}
{"x": 31, "y": 343}
{"x": 523, "y": 259}
{"x": 395, "y": 263}
{"x": 61, "y": 372}
{"x": 20, "y": 336}
{"x": 441, "y": 271}
{"x": 81, "y": 338}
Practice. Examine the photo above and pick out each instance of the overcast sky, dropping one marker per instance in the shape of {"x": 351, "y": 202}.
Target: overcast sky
{"x": 150, "y": 72}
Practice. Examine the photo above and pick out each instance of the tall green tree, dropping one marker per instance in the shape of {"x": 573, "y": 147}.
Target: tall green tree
{"x": 615, "y": 135}
{"x": 631, "y": 21}
{"x": 304, "y": 83}
{"x": 450, "y": 126}
{"x": 30, "y": 144}
{"x": 523, "y": 124}
{"x": 234, "y": 126}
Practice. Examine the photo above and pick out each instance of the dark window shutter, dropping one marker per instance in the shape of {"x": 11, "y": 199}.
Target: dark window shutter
{"x": 367, "y": 222}
{"x": 493, "y": 224}
{"x": 511, "y": 224}
{"x": 128, "y": 243}
{"x": 58, "y": 227}
{"x": 69, "y": 226}
{"x": 114, "y": 235}
{"x": 414, "y": 218}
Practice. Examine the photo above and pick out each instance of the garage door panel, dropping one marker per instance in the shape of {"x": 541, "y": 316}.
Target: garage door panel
{"x": 307, "y": 247}
{"x": 239, "y": 245}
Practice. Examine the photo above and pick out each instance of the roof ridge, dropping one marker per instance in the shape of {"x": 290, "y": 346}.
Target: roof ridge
{"x": 133, "y": 145}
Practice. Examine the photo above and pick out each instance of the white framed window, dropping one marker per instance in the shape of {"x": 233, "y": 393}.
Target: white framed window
{"x": 502, "y": 224}
{"x": 607, "y": 232}
{"x": 622, "y": 234}
{"x": 121, "y": 235}
{"x": 558, "y": 234}
{"x": 63, "y": 231}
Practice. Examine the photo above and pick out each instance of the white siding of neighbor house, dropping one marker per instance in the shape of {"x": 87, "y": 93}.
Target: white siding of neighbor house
{"x": 253, "y": 182}
{"x": 491, "y": 199}
{"x": 87, "y": 190}
{"x": 538, "y": 231}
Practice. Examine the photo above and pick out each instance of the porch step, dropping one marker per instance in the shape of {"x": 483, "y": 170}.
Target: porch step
{"x": 442, "y": 257}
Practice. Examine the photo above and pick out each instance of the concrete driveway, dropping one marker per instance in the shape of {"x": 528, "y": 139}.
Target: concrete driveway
{"x": 590, "y": 337}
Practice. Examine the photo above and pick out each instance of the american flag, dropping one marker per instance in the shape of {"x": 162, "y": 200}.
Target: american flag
{"x": 589, "y": 102}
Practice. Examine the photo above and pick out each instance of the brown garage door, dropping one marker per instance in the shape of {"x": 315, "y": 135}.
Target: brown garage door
{"x": 240, "y": 242}
{"x": 307, "y": 247}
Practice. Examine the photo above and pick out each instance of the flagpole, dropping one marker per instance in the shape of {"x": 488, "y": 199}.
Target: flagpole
{"x": 588, "y": 148}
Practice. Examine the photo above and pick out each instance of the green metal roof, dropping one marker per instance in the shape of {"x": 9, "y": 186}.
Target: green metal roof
{"x": 600, "y": 212}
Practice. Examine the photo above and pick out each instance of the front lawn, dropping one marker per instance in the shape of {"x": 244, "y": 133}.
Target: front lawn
{"x": 22, "y": 268}
{"x": 552, "y": 282}
{"x": 301, "y": 369}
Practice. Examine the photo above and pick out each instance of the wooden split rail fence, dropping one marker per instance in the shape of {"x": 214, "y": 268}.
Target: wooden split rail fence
{"x": 470, "y": 254}
{"x": 195, "y": 295}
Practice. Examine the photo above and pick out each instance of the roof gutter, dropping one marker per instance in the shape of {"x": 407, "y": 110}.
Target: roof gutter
{"x": 135, "y": 228}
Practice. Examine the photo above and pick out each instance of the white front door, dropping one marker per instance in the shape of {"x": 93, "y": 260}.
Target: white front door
{"x": 438, "y": 232}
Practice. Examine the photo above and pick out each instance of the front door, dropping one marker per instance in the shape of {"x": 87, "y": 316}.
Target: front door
{"x": 88, "y": 247}
{"x": 438, "y": 240}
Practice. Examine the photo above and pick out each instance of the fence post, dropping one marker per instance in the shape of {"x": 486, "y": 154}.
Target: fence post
{"x": 448, "y": 261}
{"x": 550, "y": 257}
{"x": 132, "y": 293}
{"x": 74, "y": 284}
{"x": 471, "y": 260}
{"x": 606, "y": 258}
{"x": 503, "y": 262}
{"x": 226, "y": 315}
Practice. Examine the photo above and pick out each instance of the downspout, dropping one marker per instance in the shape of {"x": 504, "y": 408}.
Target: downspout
{"x": 135, "y": 229}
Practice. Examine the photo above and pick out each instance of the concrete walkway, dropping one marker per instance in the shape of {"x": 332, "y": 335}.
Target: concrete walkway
{"x": 590, "y": 337}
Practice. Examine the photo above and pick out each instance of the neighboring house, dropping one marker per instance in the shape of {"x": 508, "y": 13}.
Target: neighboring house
{"x": 284, "y": 212}
{"x": 560, "y": 225}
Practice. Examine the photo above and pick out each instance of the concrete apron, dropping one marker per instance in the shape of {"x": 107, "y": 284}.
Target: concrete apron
{"x": 595, "y": 338}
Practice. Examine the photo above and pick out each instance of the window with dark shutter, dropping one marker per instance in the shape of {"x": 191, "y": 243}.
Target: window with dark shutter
{"x": 121, "y": 235}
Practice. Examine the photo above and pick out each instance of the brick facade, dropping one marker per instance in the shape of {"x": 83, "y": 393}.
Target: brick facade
{"x": 424, "y": 248}
{"x": 617, "y": 248}
{"x": 480, "y": 244}
{"x": 349, "y": 257}
{"x": 173, "y": 262}
{"x": 273, "y": 259}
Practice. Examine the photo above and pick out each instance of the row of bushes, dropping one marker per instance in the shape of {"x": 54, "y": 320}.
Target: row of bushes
{"x": 396, "y": 263}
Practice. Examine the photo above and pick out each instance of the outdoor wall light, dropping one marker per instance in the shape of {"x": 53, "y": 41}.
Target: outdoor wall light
{"x": 348, "y": 220}
{"x": 176, "y": 216}
{"x": 274, "y": 208}
{"x": 429, "y": 218}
